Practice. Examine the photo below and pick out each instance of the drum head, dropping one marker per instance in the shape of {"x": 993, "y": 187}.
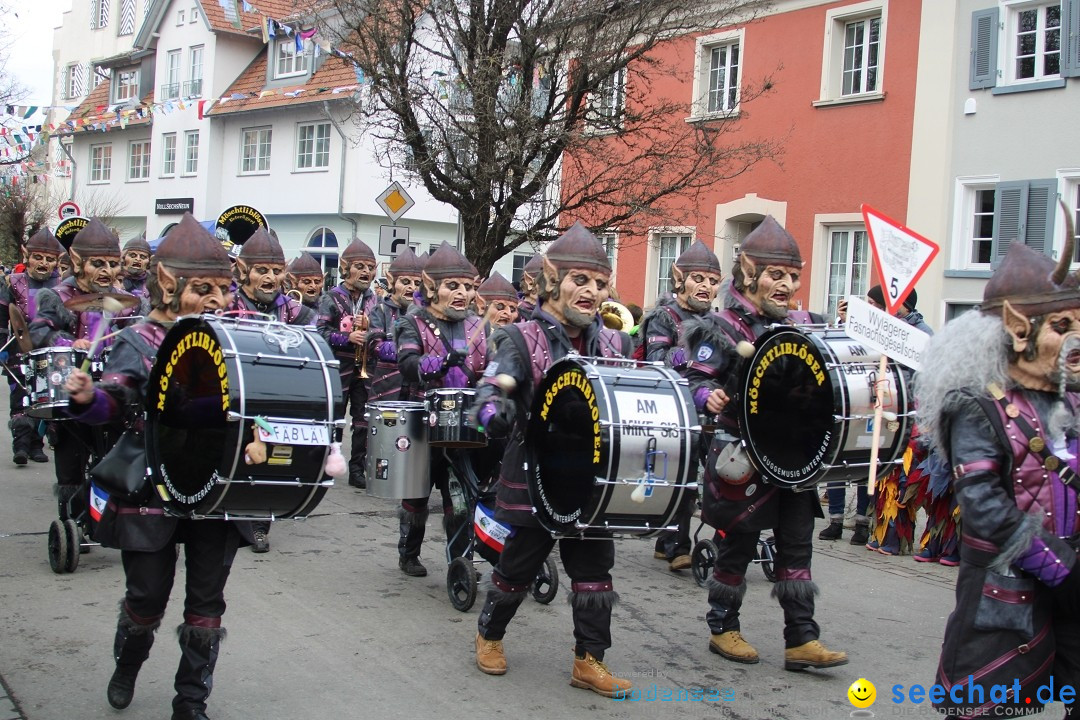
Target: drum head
{"x": 187, "y": 402}
{"x": 787, "y": 408}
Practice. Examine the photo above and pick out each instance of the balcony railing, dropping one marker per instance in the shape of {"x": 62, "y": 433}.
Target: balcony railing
{"x": 169, "y": 91}
{"x": 193, "y": 88}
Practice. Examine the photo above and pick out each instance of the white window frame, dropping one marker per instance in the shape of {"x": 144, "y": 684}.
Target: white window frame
{"x": 138, "y": 160}
{"x": 308, "y": 160}
{"x": 610, "y": 240}
{"x": 168, "y": 155}
{"x": 963, "y": 220}
{"x": 327, "y": 255}
{"x": 180, "y": 17}
{"x": 1069, "y": 192}
{"x": 703, "y": 74}
{"x": 602, "y": 119}
{"x": 288, "y": 63}
{"x": 260, "y": 163}
{"x": 832, "y": 60}
{"x": 101, "y": 166}
{"x": 654, "y": 275}
{"x": 102, "y": 8}
{"x": 193, "y": 15}
{"x": 1007, "y": 32}
{"x": 196, "y": 51}
{"x": 191, "y": 160}
{"x": 129, "y": 90}
{"x": 72, "y": 79}
{"x": 171, "y": 88}
{"x": 847, "y": 264}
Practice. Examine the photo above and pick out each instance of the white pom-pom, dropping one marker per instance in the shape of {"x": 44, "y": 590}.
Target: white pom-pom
{"x": 638, "y": 495}
{"x": 336, "y": 467}
{"x": 506, "y": 382}
{"x": 745, "y": 349}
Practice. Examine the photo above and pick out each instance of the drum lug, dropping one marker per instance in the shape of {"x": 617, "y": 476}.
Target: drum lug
{"x": 233, "y": 416}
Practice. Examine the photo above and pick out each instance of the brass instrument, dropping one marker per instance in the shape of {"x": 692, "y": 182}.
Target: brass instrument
{"x": 295, "y": 295}
{"x": 616, "y": 316}
{"x": 361, "y": 322}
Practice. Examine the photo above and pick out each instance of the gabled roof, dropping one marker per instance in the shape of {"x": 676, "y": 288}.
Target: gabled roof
{"x": 244, "y": 93}
{"x": 213, "y": 13}
{"x": 94, "y": 113}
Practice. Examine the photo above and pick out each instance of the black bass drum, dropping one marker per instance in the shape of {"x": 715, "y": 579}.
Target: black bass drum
{"x": 807, "y": 408}
{"x": 611, "y": 447}
{"x": 240, "y": 417}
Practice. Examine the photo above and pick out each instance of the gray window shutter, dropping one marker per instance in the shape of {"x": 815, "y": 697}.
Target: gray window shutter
{"x": 1070, "y": 25}
{"x": 984, "y": 42}
{"x": 127, "y": 17}
{"x": 1038, "y": 228}
{"x": 93, "y": 14}
{"x": 1008, "y": 209}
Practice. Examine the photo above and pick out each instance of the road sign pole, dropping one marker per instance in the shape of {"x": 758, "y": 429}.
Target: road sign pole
{"x": 879, "y": 402}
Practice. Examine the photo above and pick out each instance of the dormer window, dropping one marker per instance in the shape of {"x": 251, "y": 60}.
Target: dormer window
{"x": 126, "y": 86}
{"x": 290, "y": 62}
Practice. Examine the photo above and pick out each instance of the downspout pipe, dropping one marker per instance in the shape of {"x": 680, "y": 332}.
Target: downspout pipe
{"x": 341, "y": 175}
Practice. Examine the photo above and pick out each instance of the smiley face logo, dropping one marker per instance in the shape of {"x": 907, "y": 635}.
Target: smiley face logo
{"x": 862, "y": 693}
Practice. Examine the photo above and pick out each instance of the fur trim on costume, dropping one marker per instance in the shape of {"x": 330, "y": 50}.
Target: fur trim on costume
{"x": 415, "y": 519}
{"x": 702, "y": 329}
{"x": 592, "y": 600}
{"x": 724, "y": 593}
{"x": 794, "y": 589}
{"x": 192, "y": 634}
{"x": 1017, "y": 544}
{"x": 126, "y": 623}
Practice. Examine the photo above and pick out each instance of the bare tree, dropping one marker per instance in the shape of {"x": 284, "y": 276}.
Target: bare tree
{"x": 11, "y": 90}
{"x": 24, "y": 210}
{"x": 489, "y": 103}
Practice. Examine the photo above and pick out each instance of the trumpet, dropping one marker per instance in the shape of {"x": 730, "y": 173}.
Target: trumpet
{"x": 361, "y": 322}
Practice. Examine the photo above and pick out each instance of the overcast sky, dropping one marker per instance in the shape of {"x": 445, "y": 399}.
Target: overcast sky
{"x": 30, "y": 29}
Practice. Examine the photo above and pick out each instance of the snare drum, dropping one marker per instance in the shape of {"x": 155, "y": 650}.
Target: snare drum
{"x": 213, "y": 377}
{"x": 807, "y": 408}
{"x": 46, "y": 370}
{"x": 611, "y": 447}
{"x": 449, "y": 424}
{"x": 398, "y": 456}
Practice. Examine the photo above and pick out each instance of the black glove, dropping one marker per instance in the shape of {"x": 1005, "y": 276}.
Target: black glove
{"x": 456, "y": 358}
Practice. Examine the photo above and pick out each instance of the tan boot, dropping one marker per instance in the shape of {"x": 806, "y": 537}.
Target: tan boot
{"x": 680, "y": 562}
{"x": 732, "y": 646}
{"x": 812, "y": 655}
{"x": 489, "y": 656}
{"x": 591, "y": 674}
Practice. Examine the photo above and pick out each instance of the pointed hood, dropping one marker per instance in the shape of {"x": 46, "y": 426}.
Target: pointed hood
{"x": 138, "y": 244}
{"x": 189, "y": 249}
{"x": 406, "y": 263}
{"x": 43, "y": 241}
{"x": 497, "y": 287}
{"x": 698, "y": 257}
{"x": 95, "y": 240}
{"x": 447, "y": 262}
{"x": 772, "y": 244}
{"x": 304, "y": 266}
{"x": 357, "y": 250}
{"x": 578, "y": 248}
{"x": 262, "y": 247}
{"x": 534, "y": 266}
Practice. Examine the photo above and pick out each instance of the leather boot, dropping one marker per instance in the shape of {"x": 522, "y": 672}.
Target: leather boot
{"x": 861, "y": 534}
{"x": 834, "y": 532}
{"x": 592, "y": 674}
{"x": 732, "y": 646}
{"x": 812, "y": 655}
{"x": 131, "y": 647}
{"x": 489, "y": 656}
{"x": 411, "y": 528}
{"x": 199, "y": 648}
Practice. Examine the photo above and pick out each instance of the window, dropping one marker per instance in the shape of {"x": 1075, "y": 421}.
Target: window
{"x": 849, "y": 266}
{"x": 853, "y": 53}
{"x": 97, "y": 77}
{"x": 610, "y": 242}
{"x": 191, "y": 152}
{"x": 180, "y": 15}
{"x": 323, "y": 246}
{"x": 954, "y": 310}
{"x": 168, "y": 154}
{"x": 520, "y": 261}
{"x": 139, "y": 160}
{"x": 982, "y": 226}
{"x": 290, "y": 61}
{"x": 171, "y": 88}
{"x": 1024, "y": 213}
{"x": 1075, "y": 195}
{"x": 1025, "y": 45}
{"x": 313, "y": 146}
{"x": 127, "y": 17}
{"x": 193, "y": 87}
{"x": 608, "y": 103}
{"x": 73, "y": 81}
{"x": 127, "y": 85}
{"x": 255, "y": 150}
{"x": 671, "y": 247}
{"x": 194, "y": 14}
{"x": 100, "y": 163}
{"x": 716, "y": 83}
{"x": 99, "y": 14}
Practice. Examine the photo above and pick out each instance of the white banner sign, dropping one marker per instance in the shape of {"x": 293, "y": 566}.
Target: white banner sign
{"x": 885, "y": 333}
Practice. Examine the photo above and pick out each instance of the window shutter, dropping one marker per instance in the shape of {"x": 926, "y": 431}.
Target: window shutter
{"x": 984, "y": 41}
{"x": 127, "y": 17}
{"x": 1070, "y": 25}
{"x": 80, "y": 71}
{"x": 1039, "y": 218}
{"x": 94, "y": 13}
{"x": 1011, "y": 199}
{"x": 104, "y": 16}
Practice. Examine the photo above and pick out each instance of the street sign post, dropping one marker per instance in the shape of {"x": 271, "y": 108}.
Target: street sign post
{"x": 68, "y": 209}
{"x": 393, "y": 239}
{"x": 901, "y": 255}
{"x": 394, "y": 201}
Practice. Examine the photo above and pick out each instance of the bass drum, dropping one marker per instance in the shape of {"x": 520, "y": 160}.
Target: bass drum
{"x": 218, "y": 386}
{"x": 807, "y": 409}
{"x": 611, "y": 447}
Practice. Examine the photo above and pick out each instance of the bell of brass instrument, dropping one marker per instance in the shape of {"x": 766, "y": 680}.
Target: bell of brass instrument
{"x": 616, "y": 316}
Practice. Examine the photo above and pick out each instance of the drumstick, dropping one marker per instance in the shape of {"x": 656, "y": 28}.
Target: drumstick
{"x": 879, "y": 392}
{"x": 109, "y": 307}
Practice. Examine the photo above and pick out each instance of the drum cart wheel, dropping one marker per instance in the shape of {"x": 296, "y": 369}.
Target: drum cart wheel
{"x": 461, "y": 583}
{"x": 58, "y": 547}
{"x": 702, "y": 560}
{"x": 546, "y": 584}
{"x": 766, "y": 554}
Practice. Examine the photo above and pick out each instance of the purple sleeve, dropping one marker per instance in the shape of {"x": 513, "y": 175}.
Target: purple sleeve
{"x": 701, "y": 395}
{"x": 99, "y": 411}
{"x": 1042, "y": 562}
{"x": 338, "y": 339}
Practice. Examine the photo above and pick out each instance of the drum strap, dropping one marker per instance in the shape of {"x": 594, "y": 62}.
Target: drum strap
{"x": 1035, "y": 442}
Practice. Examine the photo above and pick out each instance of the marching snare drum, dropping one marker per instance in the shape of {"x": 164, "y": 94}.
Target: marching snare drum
{"x": 449, "y": 424}
{"x": 46, "y": 370}
{"x": 807, "y": 408}
{"x": 214, "y": 382}
{"x": 611, "y": 447}
{"x": 398, "y": 456}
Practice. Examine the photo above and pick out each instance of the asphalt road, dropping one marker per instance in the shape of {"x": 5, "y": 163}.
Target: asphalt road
{"x": 325, "y": 625}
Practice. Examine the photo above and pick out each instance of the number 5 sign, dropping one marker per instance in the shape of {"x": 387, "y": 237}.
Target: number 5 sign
{"x": 900, "y": 254}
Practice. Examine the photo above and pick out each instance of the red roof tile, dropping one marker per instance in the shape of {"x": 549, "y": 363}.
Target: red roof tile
{"x": 215, "y": 14}
{"x": 334, "y": 73}
{"x": 95, "y": 109}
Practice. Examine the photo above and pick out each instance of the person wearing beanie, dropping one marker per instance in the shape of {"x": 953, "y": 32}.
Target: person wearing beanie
{"x": 765, "y": 278}
{"x": 439, "y": 345}
{"x": 695, "y": 277}
{"x": 497, "y": 302}
{"x": 18, "y": 295}
{"x": 344, "y": 316}
{"x": 190, "y": 274}
{"x": 305, "y": 276}
{"x": 135, "y": 259}
{"x": 95, "y": 262}
{"x": 573, "y": 283}
{"x": 404, "y": 280}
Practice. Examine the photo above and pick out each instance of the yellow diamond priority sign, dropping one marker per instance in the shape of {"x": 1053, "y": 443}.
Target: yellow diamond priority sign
{"x": 395, "y": 201}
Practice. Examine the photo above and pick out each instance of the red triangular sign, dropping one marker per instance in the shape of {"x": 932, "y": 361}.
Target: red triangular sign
{"x": 901, "y": 255}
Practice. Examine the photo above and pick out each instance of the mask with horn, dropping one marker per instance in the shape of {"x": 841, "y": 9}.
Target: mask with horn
{"x": 1038, "y": 301}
